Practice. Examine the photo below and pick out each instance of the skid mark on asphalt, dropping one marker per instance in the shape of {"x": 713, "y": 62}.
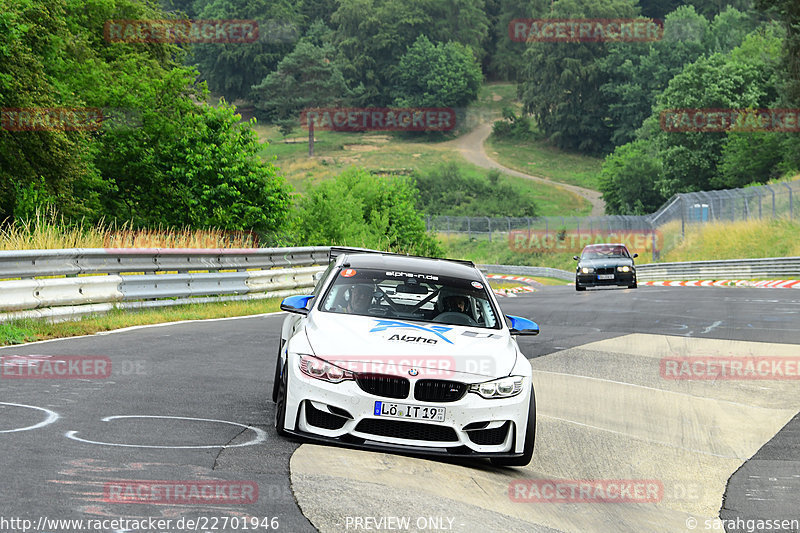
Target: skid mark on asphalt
{"x": 260, "y": 435}
{"x": 606, "y": 413}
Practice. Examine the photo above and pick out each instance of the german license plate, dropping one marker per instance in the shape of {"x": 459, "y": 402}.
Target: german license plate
{"x": 605, "y": 276}
{"x": 410, "y": 412}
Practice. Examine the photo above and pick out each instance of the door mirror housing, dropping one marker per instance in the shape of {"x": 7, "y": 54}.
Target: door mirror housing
{"x": 522, "y": 326}
{"x": 296, "y": 304}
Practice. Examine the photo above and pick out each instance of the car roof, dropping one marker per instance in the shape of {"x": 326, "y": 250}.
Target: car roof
{"x": 605, "y": 245}
{"x": 413, "y": 264}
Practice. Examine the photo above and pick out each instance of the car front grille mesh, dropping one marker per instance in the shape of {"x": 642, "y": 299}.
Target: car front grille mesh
{"x": 407, "y": 430}
{"x": 489, "y": 437}
{"x": 384, "y": 385}
{"x": 439, "y": 390}
{"x": 323, "y": 419}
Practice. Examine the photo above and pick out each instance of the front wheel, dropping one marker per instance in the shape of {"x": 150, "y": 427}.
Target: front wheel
{"x": 280, "y": 406}
{"x": 579, "y": 287}
{"x": 275, "y": 381}
{"x": 633, "y": 286}
{"x": 530, "y": 435}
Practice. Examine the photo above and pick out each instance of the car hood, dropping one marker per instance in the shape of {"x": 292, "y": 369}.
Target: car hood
{"x": 605, "y": 262}
{"x": 400, "y": 347}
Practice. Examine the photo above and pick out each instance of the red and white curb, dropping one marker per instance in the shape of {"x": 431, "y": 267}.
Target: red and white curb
{"x": 764, "y": 284}
{"x": 513, "y": 290}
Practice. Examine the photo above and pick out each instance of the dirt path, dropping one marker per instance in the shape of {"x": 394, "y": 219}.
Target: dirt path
{"x": 471, "y": 147}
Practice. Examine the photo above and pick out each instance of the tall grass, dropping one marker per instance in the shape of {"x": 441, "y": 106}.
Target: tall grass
{"x": 737, "y": 240}
{"x": 49, "y": 231}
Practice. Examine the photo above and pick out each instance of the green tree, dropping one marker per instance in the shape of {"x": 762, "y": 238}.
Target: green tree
{"x": 504, "y": 60}
{"x": 637, "y": 73}
{"x": 745, "y": 78}
{"x": 750, "y": 157}
{"x": 437, "y": 75}
{"x": 231, "y": 69}
{"x": 373, "y": 35}
{"x": 628, "y": 180}
{"x": 560, "y": 82}
{"x": 188, "y": 164}
{"x": 308, "y": 77}
{"x": 360, "y": 209}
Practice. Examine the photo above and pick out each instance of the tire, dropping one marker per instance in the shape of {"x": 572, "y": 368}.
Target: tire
{"x": 579, "y": 287}
{"x": 280, "y": 405}
{"x": 277, "y": 373}
{"x": 633, "y": 286}
{"x": 530, "y": 437}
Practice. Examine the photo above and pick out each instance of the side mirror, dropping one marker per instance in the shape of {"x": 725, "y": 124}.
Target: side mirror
{"x": 522, "y": 326}
{"x": 635, "y": 256}
{"x": 296, "y": 304}
{"x": 576, "y": 258}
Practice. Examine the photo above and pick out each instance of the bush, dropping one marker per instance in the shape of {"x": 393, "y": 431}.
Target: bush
{"x": 359, "y": 209}
{"x": 448, "y": 191}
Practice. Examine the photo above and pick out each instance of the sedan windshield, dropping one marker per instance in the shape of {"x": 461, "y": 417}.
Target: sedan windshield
{"x": 410, "y": 296}
{"x": 602, "y": 252}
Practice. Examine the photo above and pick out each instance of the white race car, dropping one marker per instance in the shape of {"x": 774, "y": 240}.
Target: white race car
{"x": 405, "y": 354}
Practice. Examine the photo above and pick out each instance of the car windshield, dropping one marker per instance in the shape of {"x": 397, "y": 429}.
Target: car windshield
{"x": 602, "y": 252}
{"x": 411, "y": 296}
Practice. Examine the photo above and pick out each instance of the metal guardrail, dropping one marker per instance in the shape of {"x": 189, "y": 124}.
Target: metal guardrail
{"x": 64, "y": 284}
{"x": 775, "y": 268}
{"x": 543, "y": 272}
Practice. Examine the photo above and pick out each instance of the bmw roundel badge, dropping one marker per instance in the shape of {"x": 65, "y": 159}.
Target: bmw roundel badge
{"x": 413, "y": 372}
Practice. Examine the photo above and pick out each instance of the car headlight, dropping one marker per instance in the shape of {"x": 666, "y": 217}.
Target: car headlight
{"x": 625, "y": 268}
{"x": 320, "y": 369}
{"x": 587, "y": 270}
{"x": 499, "y": 388}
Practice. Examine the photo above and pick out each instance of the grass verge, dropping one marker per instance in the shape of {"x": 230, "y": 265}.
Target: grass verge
{"x": 538, "y": 158}
{"x": 30, "y": 330}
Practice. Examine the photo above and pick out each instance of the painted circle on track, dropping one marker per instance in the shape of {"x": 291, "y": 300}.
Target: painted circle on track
{"x": 260, "y": 436}
{"x": 51, "y": 417}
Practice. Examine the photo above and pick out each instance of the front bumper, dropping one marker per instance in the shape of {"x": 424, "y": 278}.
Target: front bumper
{"x": 591, "y": 280}
{"x": 343, "y": 413}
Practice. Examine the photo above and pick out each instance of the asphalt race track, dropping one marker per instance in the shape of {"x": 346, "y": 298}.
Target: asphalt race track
{"x": 192, "y": 402}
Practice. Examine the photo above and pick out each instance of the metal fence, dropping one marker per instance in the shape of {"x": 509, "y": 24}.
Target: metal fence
{"x": 487, "y": 225}
{"x": 764, "y": 201}
{"x": 750, "y": 203}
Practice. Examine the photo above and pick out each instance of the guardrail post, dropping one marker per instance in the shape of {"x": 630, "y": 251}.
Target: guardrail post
{"x": 489, "y": 220}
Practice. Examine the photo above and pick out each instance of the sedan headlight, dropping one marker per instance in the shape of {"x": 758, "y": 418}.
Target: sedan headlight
{"x": 625, "y": 268}
{"x": 320, "y": 369}
{"x": 587, "y": 270}
{"x": 499, "y": 388}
